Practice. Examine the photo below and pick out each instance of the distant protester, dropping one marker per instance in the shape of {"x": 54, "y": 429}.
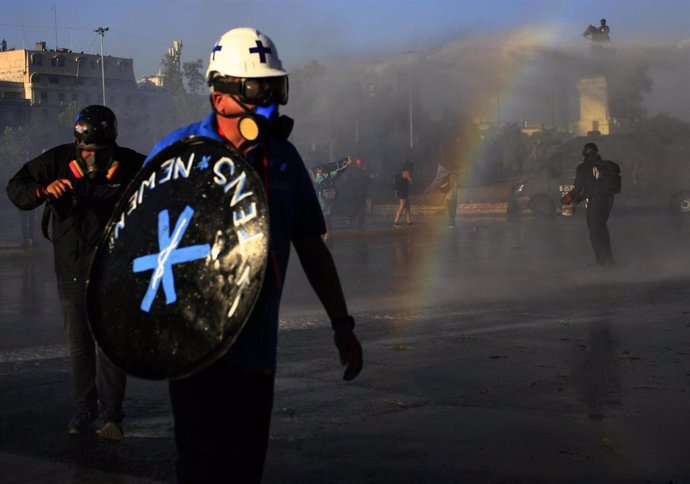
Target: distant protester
{"x": 401, "y": 188}
{"x": 358, "y": 187}
{"x": 26, "y": 220}
{"x": 597, "y": 181}
{"x": 325, "y": 178}
{"x": 450, "y": 196}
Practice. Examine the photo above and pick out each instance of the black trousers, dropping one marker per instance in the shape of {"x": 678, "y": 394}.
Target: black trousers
{"x": 452, "y": 206}
{"x": 358, "y": 209}
{"x": 222, "y": 420}
{"x": 598, "y": 211}
{"x": 96, "y": 379}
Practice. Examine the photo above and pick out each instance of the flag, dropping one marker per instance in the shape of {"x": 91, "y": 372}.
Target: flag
{"x": 442, "y": 177}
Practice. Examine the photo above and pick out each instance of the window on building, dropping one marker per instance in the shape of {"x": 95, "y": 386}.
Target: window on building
{"x": 35, "y": 79}
{"x": 93, "y": 65}
{"x": 43, "y": 96}
{"x": 78, "y": 81}
{"x": 36, "y": 59}
{"x": 53, "y": 80}
{"x": 58, "y": 61}
{"x": 75, "y": 97}
{"x": 61, "y": 97}
{"x": 123, "y": 66}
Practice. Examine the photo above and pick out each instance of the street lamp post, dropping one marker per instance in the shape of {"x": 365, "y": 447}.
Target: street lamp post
{"x": 101, "y": 31}
{"x": 410, "y": 109}
{"x": 409, "y": 92}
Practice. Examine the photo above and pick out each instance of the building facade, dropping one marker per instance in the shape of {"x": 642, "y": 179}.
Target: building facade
{"x": 54, "y": 78}
{"x": 41, "y": 83}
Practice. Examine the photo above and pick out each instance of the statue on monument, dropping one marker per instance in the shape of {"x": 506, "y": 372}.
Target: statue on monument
{"x": 598, "y": 34}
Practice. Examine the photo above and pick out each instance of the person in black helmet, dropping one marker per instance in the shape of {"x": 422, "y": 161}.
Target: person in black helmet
{"x": 79, "y": 183}
{"x": 597, "y": 181}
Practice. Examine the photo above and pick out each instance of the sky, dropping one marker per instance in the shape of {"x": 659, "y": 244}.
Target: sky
{"x": 325, "y": 30}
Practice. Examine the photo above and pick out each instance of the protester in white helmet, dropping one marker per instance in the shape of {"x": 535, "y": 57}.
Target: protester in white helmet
{"x": 222, "y": 413}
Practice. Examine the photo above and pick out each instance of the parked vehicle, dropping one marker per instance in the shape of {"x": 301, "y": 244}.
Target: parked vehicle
{"x": 655, "y": 174}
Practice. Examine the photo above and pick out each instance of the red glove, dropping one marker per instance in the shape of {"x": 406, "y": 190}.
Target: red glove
{"x": 566, "y": 199}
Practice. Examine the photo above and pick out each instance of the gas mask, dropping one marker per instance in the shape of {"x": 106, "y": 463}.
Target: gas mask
{"x": 95, "y": 166}
{"x": 589, "y": 150}
{"x": 261, "y": 121}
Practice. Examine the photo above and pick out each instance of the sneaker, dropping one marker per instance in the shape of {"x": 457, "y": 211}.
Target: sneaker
{"x": 82, "y": 422}
{"x": 111, "y": 431}
{"x": 397, "y": 225}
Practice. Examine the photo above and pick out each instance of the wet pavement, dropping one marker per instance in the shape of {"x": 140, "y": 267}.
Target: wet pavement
{"x": 494, "y": 353}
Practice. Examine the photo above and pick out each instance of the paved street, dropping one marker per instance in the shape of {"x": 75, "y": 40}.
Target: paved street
{"x": 494, "y": 353}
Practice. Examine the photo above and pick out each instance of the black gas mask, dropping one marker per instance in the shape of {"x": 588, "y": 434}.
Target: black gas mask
{"x": 97, "y": 162}
{"x": 589, "y": 149}
{"x": 95, "y": 131}
{"x": 263, "y": 120}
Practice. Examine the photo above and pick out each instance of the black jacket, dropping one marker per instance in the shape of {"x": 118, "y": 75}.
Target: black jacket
{"x": 78, "y": 217}
{"x": 586, "y": 185}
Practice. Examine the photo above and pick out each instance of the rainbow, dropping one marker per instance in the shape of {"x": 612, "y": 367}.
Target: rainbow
{"x": 511, "y": 53}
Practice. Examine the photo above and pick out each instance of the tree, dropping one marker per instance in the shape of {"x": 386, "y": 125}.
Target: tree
{"x": 69, "y": 115}
{"x": 663, "y": 128}
{"x": 186, "y": 108}
{"x": 172, "y": 74}
{"x": 193, "y": 75}
{"x": 13, "y": 151}
{"x": 3, "y": 45}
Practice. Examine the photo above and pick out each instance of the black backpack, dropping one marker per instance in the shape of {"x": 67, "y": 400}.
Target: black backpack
{"x": 609, "y": 176}
{"x": 397, "y": 181}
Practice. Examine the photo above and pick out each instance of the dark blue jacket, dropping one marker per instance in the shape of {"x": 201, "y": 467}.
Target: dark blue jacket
{"x": 294, "y": 213}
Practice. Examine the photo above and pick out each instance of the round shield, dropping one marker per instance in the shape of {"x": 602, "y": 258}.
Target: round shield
{"x": 181, "y": 262}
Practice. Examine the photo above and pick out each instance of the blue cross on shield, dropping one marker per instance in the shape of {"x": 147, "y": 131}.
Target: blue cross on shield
{"x": 169, "y": 255}
{"x": 167, "y": 304}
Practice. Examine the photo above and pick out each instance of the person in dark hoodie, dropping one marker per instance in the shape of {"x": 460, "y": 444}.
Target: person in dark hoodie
{"x": 80, "y": 183}
{"x": 597, "y": 181}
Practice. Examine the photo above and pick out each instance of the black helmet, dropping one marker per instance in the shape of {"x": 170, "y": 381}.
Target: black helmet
{"x": 590, "y": 149}
{"x": 603, "y": 21}
{"x": 95, "y": 127}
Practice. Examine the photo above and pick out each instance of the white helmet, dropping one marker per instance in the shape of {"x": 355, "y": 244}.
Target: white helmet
{"x": 245, "y": 52}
